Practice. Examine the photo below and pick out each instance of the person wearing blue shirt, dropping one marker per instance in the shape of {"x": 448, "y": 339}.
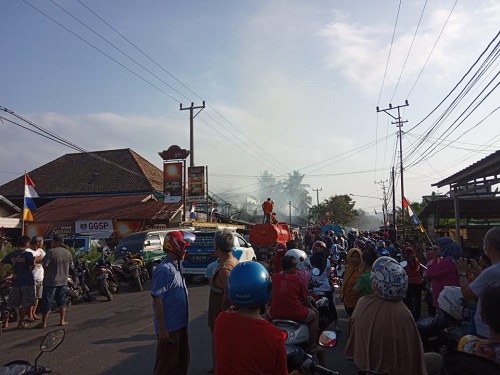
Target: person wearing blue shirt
{"x": 170, "y": 307}
{"x": 22, "y": 295}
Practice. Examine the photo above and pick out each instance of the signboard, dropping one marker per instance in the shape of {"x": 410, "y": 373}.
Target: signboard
{"x": 102, "y": 227}
{"x": 172, "y": 182}
{"x": 196, "y": 182}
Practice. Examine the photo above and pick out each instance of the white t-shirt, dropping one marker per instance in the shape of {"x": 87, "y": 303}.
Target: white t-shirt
{"x": 38, "y": 270}
{"x": 488, "y": 277}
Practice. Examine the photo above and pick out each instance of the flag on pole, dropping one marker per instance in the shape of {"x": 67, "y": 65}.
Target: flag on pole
{"x": 410, "y": 211}
{"x": 29, "y": 194}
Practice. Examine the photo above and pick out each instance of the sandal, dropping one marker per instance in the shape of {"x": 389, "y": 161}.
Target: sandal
{"x": 39, "y": 326}
{"x": 23, "y": 325}
{"x": 64, "y": 324}
{"x": 29, "y": 320}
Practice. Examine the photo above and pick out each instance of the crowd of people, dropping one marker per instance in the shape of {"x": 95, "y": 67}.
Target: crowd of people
{"x": 38, "y": 279}
{"x": 382, "y": 290}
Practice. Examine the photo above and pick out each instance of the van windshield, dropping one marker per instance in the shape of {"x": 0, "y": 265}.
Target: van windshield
{"x": 203, "y": 240}
{"x": 134, "y": 244}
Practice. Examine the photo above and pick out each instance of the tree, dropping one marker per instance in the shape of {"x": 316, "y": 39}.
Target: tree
{"x": 338, "y": 209}
{"x": 268, "y": 186}
{"x": 295, "y": 191}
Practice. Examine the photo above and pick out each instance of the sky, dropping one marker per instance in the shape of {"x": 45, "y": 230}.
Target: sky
{"x": 288, "y": 85}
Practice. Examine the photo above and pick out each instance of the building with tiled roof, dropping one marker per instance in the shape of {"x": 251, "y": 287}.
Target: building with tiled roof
{"x": 112, "y": 186}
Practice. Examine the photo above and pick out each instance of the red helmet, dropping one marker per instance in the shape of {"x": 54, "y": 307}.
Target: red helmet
{"x": 280, "y": 248}
{"x": 176, "y": 242}
{"x": 319, "y": 245}
{"x": 360, "y": 244}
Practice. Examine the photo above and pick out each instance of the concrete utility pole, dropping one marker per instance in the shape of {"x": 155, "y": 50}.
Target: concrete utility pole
{"x": 399, "y": 123}
{"x": 317, "y": 195}
{"x": 393, "y": 177}
{"x": 384, "y": 208}
{"x": 191, "y": 135}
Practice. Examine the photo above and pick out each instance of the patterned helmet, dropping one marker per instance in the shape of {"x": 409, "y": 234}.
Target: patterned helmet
{"x": 280, "y": 248}
{"x": 176, "y": 242}
{"x": 389, "y": 279}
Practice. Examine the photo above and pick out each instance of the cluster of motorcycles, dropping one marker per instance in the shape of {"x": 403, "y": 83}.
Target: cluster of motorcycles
{"x": 108, "y": 274}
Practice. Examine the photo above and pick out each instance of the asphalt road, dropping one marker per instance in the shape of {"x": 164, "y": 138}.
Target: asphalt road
{"x": 117, "y": 337}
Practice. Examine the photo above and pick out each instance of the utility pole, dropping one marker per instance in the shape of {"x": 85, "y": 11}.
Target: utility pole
{"x": 290, "y": 212}
{"x": 384, "y": 210}
{"x": 317, "y": 195}
{"x": 399, "y": 123}
{"x": 393, "y": 177}
{"x": 191, "y": 135}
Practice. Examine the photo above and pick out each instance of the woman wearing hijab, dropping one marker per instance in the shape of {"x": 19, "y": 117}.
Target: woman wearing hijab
{"x": 320, "y": 261}
{"x": 442, "y": 271}
{"x": 351, "y": 276}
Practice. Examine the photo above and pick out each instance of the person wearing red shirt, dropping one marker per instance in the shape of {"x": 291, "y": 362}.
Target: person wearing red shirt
{"x": 290, "y": 300}
{"x": 245, "y": 343}
{"x": 267, "y": 207}
{"x": 279, "y": 252}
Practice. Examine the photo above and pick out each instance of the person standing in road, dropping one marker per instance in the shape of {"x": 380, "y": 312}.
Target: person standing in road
{"x": 22, "y": 294}
{"x": 267, "y": 207}
{"x": 218, "y": 300}
{"x": 35, "y": 248}
{"x": 170, "y": 307}
{"x": 56, "y": 265}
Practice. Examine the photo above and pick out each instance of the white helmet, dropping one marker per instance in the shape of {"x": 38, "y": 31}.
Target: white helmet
{"x": 300, "y": 255}
{"x": 451, "y": 302}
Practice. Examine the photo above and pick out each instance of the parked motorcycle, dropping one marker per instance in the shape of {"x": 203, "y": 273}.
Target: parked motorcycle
{"x": 298, "y": 359}
{"x": 79, "y": 279}
{"x": 7, "y": 314}
{"x": 20, "y": 367}
{"x": 133, "y": 270}
{"x": 107, "y": 280}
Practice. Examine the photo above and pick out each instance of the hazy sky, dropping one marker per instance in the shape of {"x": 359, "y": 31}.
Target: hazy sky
{"x": 289, "y": 85}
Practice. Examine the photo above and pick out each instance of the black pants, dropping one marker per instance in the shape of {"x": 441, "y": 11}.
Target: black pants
{"x": 331, "y": 305}
{"x": 413, "y": 299}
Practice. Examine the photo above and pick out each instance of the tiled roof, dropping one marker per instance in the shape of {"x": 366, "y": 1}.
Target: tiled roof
{"x": 110, "y": 172}
{"x": 131, "y": 207}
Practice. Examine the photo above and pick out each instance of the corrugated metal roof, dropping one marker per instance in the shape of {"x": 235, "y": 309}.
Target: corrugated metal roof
{"x": 133, "y": 207}
{"x": 486, "y": 167}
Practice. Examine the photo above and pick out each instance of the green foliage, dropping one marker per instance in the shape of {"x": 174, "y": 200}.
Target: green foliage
{"x": 338, "y": 209}
{"x": 3, "y": 252}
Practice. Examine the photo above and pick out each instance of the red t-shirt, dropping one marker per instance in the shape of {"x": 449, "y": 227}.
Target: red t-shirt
{"x": 267, "y": 206}
{"x": 250, "y": 346}
{"x": 288, "y": 293}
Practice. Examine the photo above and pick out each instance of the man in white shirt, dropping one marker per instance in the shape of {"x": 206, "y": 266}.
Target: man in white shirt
{"x": 36, "y": 249}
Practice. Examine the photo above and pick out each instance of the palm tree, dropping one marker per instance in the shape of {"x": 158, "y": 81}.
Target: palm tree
{"x": 296, "y": 192}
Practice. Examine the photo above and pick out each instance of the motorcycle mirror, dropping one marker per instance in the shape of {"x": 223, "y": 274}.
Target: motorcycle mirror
{"x": 315, "y": 271}
{"x": 52, "y": 340}
{"x": 328, "y": 339}
{"x": 403, "y": 263}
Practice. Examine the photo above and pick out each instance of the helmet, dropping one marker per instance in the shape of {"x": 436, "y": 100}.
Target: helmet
{"x": 318, "y": 245}
{"x": 249, "y": 285}
{"x": 359, "y": 244}
{"x": 300, "y": 255}
{"x": 389, "y": 279}
{"x": 280, "y": 248}
{"x": 176, "y": 242}
{"x": 451, "y": 302}
{"x": 375, "y": 236}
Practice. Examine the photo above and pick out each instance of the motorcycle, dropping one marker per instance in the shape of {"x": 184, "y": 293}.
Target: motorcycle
{"x": 442, "y": 332}
{"x": 107, "y": 280}
{"x": 78, "y": 279}
{"x": 49, "y": 343}
{"x": 7, "y": 314}
{"x": 133, "y": 270}
{"x": 298, "y": 359}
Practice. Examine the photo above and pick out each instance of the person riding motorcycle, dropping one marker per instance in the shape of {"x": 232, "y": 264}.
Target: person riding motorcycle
{"x": 279, "y": 252}
{"x": 320, "y": 261}
{"x": 244, "y": 341}
{"x": 383, "y": 335}
{"x": 302, "y": 265}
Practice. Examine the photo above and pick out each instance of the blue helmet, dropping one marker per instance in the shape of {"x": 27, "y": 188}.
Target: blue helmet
{"x": 249, "y": 285}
